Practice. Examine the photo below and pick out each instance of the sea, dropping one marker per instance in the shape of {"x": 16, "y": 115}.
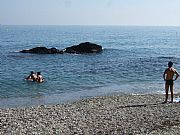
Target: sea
{"x": 132, "y": 62}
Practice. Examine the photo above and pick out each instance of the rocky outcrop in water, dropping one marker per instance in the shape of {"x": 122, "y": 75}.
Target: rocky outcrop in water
{"x": 43, "y": 50}
{"x": 86, "y": 47}
{"x": 82, "y": 48}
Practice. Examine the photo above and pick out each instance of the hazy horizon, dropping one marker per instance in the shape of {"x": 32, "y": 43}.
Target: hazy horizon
{"x": 90, "y": 12}
{"x": 89, "y": 25}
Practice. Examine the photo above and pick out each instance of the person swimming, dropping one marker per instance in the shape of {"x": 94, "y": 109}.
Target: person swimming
{"x": 31, "y": 77}
{"x": 39, "y": 78}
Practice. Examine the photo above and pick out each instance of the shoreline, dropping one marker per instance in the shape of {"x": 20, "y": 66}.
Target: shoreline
{"x": 69, "y": 97}
{"x": 17, "y": 102}
{"x": 63, "y": 98}
{"x": 114, "y": 114}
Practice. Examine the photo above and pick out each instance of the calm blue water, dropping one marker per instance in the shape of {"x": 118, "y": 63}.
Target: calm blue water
{"x": 132, "y": 62}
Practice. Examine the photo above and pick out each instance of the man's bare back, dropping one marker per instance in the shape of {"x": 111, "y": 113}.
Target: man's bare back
{"x": 169, "y": 72}
{"x": 169, "y": 80}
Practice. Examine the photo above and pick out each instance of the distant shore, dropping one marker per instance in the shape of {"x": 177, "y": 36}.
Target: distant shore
{"x": 119, "y": 115}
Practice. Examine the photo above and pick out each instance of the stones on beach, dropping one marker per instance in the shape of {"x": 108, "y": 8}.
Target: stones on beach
{"x": 114, "y": 115}
{"x": 82, "y": 48}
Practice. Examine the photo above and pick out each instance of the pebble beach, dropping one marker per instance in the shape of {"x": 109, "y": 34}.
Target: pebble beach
{"x": 106, "y": 115}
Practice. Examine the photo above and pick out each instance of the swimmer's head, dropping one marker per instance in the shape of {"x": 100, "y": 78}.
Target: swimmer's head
{"x": 170, "y": 64}
{"x": 38, "y": 73}
{"x": 32, "y": 72}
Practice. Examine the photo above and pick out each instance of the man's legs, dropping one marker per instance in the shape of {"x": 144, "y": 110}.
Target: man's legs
{"x": 172, "y": 93}
{"x": 166, "y": 90}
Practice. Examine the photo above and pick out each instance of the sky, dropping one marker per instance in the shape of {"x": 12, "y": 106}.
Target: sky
{"x": 90, "y": 12}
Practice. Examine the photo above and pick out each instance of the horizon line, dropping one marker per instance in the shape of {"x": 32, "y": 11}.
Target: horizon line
{"x": 88, "y": 25}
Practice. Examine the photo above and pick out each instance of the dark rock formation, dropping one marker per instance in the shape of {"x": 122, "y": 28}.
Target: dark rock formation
{"x": 43, "y": 50}
{"x": 86, "y": 47}
{"x": 82, "y": 48}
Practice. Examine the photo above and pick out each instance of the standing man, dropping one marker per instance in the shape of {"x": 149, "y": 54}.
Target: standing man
{"x": 169, "y": 80}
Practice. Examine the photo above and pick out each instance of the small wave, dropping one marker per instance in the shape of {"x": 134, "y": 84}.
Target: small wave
{"x": 8, "y": 41}
{"x": 14, "y": 52}
{"x": 135, "y": 94}
{"x": 17, "y": 55}
{"x": 113, "y": 50}
{"x": 110, "y": 49}
{"x": 164, "y": 57}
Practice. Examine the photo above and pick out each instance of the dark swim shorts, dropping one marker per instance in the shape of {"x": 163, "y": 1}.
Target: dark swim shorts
{"x": 169, "y": 82}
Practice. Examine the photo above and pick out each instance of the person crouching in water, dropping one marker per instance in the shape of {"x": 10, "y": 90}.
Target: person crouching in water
{"x": 169, "y": 81}
{"x": 39, "y": 77}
